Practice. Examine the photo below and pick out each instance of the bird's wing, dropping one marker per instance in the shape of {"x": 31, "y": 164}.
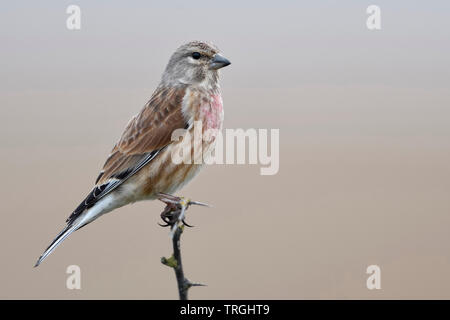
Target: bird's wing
{"x": 144, "y": 137}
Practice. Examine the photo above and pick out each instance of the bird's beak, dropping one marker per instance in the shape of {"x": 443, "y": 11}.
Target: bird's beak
{"x": 219, "y": 62}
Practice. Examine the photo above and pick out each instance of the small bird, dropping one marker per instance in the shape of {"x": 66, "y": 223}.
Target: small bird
{"x": 140, "y": 165}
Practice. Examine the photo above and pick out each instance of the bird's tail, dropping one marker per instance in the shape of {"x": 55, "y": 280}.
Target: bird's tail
{"x": 59, "y": 238}
{"x": 82, "y": 216}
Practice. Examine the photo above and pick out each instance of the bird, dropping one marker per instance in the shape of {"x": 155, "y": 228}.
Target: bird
{"x": 140, "y": 165}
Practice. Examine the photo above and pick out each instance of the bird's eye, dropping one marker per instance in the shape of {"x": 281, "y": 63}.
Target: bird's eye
{"x": 196, "y": 55}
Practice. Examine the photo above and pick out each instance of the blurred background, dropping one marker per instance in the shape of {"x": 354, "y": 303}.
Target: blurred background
{"x": 364, "y": 125}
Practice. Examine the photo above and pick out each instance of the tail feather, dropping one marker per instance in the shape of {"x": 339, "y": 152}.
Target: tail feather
{"x": 105, "y": 205}
{"x": 59, "y": 238}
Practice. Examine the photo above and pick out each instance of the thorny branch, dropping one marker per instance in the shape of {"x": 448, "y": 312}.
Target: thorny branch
{"x": 174, "y": 215}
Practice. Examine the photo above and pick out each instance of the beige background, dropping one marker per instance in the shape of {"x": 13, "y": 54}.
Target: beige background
{"x": 364, "y": 125}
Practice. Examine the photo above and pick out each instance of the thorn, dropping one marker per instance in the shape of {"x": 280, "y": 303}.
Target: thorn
{"x": 200, "y": 204}
{"x": 198, "y": 285}
{"x": 194, "y": 284}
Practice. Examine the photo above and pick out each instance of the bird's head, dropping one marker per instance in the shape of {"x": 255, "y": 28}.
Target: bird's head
{"x": 195, "y": 63}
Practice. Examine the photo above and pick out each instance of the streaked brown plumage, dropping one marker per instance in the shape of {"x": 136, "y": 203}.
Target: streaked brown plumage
{"x": 149, "y": 130}
{"x": 140, "y": 164}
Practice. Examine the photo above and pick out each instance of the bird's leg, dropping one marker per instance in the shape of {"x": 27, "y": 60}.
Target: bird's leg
{"x": 174, "y": 213}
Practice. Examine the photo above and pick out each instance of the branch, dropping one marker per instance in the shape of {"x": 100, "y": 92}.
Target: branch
{"x": 174, "y": 215}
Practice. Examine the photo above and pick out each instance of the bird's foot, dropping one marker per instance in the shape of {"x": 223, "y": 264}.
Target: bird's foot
{"x": 174, "y": 213}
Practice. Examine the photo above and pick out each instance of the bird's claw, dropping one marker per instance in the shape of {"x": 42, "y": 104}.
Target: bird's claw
{"x": 186, "y": 224}
{"x": 173, "y": 214}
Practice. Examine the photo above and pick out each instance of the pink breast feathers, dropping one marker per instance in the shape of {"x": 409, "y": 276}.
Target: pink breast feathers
{"x": 212, "y": 113}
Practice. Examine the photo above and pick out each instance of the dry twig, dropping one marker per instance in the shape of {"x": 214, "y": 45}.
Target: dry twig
{"x": 174, "y": 215}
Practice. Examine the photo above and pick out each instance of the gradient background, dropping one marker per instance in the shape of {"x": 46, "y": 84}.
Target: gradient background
{"x": 364, "y": 125}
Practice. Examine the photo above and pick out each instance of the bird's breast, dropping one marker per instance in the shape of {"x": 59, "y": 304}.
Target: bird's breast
{"x": 211, "y": 112}
{"x": 205, "y": 106}
{"x": 164, "y": 174}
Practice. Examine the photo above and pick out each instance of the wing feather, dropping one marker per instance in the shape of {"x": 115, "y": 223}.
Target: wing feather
{"x": 148, "y": 131}
{"x": 144, "y": 137}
